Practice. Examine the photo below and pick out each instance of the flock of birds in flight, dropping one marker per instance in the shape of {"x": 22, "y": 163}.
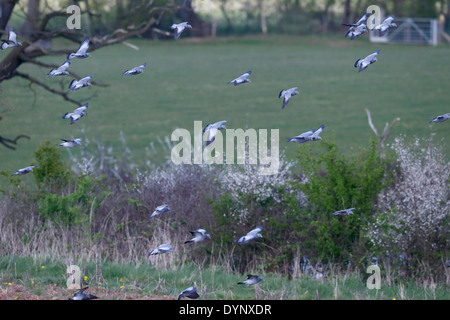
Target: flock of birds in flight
{"x": 354, "y": 31}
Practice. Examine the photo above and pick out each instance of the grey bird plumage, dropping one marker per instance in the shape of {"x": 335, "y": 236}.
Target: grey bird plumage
{"x": 25, "y": 170}
{"x": 166, "y": 247}
{"x": 70, "y": 143}
{"x": 81, "y": 295}
{"x": 160, "y": 210}
{"x": 441, "y": 118}
{"x": 61, "y": 71}
{"x": 78, "y": 84}
{"x": 251, "y": 280}
{"x": 252, "y": 235}
{"x": 355, "y": 31}
{"x": 179, "y": 28}
{"x": 384, "y": 26}
{"x": 243, "y": 78}
{"x": 77, "y": 114}
{"x": 136, "y": 70}
{"x": 362, "y": 64}
{"x": 345, "y": 212}
{"x": 213, "y": 129}
{"x": 11, "y": 41}
{"x": 82, "y": 50}
{"x": 311, "y": 135}
{"x": 191, "y": 292}
{"x": 286, "y": 95}
{"x": 198, "y": 235}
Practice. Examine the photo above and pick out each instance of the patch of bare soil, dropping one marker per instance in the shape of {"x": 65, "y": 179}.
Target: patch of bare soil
{"x": 50, "y": 292}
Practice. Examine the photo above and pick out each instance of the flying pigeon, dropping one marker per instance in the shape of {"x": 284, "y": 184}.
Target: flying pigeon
{"x": 25, "y": 170}
{"x": 136, "y": 70}
{"x": 61, "y": 71}
{"x": 251, "y": 279}
{"x": 160, "y": 210}
{"x": 367, "y": 61}
{"x": 355, "y": 31}
{"x": 70, "y": 143}
{"x": 179, "y": 28}
{"x": 286, "y": 95}
{"x": 345, "y": 212}
{"x": 442, "y": 118}
{"x": 76, "y": 114}
{"x": 81, "y": 52}
{"x": 241, "y": 79}
{"x": 80, "y": 295}
{"x": 78, "y": 84}
{"x": 213, "y": 129}
{"x": 310, "y": 135}
{"x": 255, "y": 233}
{"x": 361, "y": 20}
{"x": 161, "y": 249}
{"x": 199, "y": 235}
{"x": 11, "y": 41}
{"x": 385, "y": 25}
{"x": 190, "y": 292}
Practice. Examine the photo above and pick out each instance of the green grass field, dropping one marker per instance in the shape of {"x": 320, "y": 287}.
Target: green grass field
{"x": 186, "y": 80}
{"x": 27, "y": 278}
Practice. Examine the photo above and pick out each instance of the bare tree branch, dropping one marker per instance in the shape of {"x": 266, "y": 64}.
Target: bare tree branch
{"x": 63, "y": 94}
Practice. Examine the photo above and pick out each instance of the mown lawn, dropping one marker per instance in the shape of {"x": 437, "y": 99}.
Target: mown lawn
{"x": 186, "y": 81}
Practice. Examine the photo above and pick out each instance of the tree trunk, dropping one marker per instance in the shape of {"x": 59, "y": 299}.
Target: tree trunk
{"x": 6, "y": 9}
{"x": 347, "y": 11}
{"x": 32, "y": 18}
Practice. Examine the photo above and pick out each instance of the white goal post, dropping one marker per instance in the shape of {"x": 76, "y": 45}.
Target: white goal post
{"x": 419, "y": 31}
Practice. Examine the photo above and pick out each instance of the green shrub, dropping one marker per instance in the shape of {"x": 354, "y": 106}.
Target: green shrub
{"x": 335, "y": 182}
{"x": 51, "y": 173}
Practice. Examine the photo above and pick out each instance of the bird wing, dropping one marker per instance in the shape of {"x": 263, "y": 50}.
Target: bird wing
{"x": 85, "y": 79}
{"x": 318, "y": 131}
{"x": 64, "y": 66}
{"x": 12, "y": 36}
{"x": 83, "y": 46}
{"x": 80, "y": 109}
{"x": 372, "y": 55}
{"x": 253, "y": 232}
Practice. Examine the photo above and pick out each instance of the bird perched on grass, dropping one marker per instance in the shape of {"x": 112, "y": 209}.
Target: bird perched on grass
{"x": 191, "y": 292}
{"x": 345, "y": 212}
{"x": 78, "y": 84}
{"x": 286, "y": 95}
{"x": 441, "y": 118}
{"x": 243, "y": 78}
{"x": 61, "y": 71}
{"x": 160, "y": 210}
{"x": 166, "y": 247}
{"x": 25, "y": 170}
{"x": 198, "y": 235}
{"x": 135, "y": 70}
{"x": 310, "y": 135}
{"x": 82, "y": 50}
{"x": 179, "y": 28}
{"x": 80, "y": 295}
{"x": 11, "y": 41}
{"x": 76, "y": 114}
{"x": 251, "y": 280}
{"x": 252, "y": 235}
{"x": 384, "y": 26}
{"x": 70, "y": 143}
{"x": 213, "y": 129}
{"x": 367, "y": 61}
